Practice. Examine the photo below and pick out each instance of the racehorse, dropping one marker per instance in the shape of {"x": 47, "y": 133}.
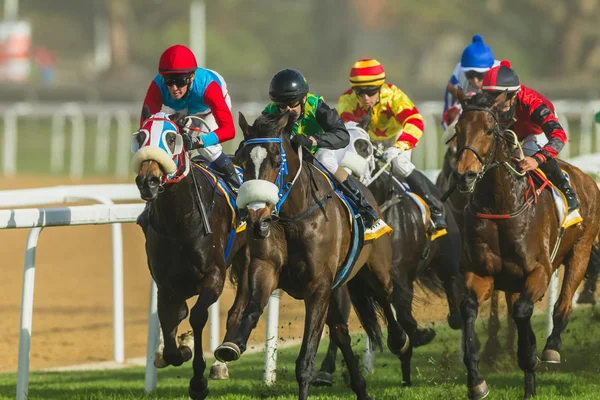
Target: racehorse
{"x": 188, "y": 234}
{"x": 513, "y": 239}
{"x": 436, "y": 265}
{"x": 299, "y": 236}
{"x": 456, "y": 203}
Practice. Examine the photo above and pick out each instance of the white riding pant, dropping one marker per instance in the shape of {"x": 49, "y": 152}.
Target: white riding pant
{"x": 330, "y": 159}
{"x": 211, "y": 153}
{"x": 533, "y": 143}
{"x": 402, "y": 165}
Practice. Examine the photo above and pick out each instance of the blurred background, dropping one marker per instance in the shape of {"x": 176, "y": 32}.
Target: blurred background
{"x": 100, "y": 56}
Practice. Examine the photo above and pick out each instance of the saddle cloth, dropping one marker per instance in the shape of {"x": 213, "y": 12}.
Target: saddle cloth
{"x": 223, "y": 190}
{"x": 425, "y": 212}
{"x": 565, "y": 218}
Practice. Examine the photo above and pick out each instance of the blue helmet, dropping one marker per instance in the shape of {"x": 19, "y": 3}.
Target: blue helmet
{"x": 477, "y": 56}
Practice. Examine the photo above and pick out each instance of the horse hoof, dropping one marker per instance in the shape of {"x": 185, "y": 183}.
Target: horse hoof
{"x": 198, "y": 394}
{"x": 423, "y": 337}
{"x": 406, "y": 384}
{"x": 586, "y": 297}
{"x": 159, "y": 361}
{"x": 219, "y": 371}
{"x": 455, "y": 321}
{"x": 551, "y": 356}
{"x": 479, "y": 392}
{"x": 227, "y": 352}
{"x": 323, "y": 378}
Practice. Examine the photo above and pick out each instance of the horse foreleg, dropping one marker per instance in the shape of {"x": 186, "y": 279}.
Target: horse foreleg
{"x": 337, "y": 320}
{"x": 479, "y": 289}
{"x": 315, "y": 304}
{"x": 242, "y": 296}
{"x": 575, "y": 266}
{"x": 210, "y": 288}
{"x": 171, "y": 311}
{"x": 341, "y": 299}
{"x": 535, "y": 287}
{"x": 262, "y": 280}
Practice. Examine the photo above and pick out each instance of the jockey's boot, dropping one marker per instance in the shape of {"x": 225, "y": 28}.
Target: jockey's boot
{"x": 368, "y": 213}
{"x": 558, "y": 179}
{"x": 225, "y": 166}
{"x": 143, "y": 218}
{"x": 420, "y": 185}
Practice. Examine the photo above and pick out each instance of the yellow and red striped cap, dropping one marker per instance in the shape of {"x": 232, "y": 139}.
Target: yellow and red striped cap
{"x": 367, "y": 72}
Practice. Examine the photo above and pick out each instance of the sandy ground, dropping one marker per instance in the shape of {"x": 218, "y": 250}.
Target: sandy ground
{"x": 72, "y": 319}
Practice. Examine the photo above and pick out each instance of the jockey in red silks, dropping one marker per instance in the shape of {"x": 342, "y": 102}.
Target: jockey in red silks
{"x": 180, "y": 84}
{"x": 530, "y": 114}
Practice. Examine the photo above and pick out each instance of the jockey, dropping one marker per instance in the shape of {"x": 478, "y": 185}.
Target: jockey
{"x": 529, "y": 114}
{"x": 319, "y": 128}
{"x": 395, "y": 123}
{"x": 476, "y": 60}
{"x": 181, "y": 84}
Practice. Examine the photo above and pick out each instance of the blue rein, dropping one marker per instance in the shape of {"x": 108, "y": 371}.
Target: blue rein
{"x": 284, "y": 188}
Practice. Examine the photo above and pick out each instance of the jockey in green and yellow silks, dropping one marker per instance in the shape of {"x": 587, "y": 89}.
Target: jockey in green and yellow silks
{"x": 318, "y": 127}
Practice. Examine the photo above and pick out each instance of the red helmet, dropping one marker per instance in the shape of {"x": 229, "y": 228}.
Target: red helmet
{"x": 177, "y": 59}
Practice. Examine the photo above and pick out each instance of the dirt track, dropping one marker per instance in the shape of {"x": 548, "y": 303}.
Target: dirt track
{"x": 72, "y": 320}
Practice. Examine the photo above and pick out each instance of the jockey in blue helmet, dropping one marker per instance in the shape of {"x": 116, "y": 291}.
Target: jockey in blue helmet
{"x": 476, "y": 60}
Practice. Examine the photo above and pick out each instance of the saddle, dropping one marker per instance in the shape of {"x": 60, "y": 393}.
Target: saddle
{"x": 540, "y": 182}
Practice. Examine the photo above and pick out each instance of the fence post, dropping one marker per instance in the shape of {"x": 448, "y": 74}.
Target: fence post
{"x": 270, "y": 374}
{"x": 26, "y": 313}
{"x": 153, "y": 338}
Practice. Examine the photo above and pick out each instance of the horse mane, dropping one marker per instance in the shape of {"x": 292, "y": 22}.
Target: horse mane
{"x": 266, "y": 125}
{"x": 481, "y": 99}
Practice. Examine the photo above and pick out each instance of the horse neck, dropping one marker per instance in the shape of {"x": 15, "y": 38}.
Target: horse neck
{"x": 297, "y": 199}
{"x": 176, "y": 206}
{"x": 508, "y": 192}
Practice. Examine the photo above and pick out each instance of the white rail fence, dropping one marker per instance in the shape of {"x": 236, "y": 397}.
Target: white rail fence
{"x": 427, "y": 155}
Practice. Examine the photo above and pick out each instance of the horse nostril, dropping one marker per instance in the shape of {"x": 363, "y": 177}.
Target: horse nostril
{"x": 469, "y": 176}
{"x": 153, "y": 181}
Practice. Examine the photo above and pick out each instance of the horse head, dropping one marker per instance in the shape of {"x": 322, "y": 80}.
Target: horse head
{"x": 264, "y": 160}
{"x": 159, "y": 153}
{"x": 478, "y": 137}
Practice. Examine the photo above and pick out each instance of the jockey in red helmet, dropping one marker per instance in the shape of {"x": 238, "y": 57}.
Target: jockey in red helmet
{"x": 530, "y": 114}
{"x": 181, "y": 84}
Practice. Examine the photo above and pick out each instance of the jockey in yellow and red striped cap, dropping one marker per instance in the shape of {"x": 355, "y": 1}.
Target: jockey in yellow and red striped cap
{"x": 396, "y": 124}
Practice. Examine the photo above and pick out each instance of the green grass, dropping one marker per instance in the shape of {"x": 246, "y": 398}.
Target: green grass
{"x": 437, "y": 373}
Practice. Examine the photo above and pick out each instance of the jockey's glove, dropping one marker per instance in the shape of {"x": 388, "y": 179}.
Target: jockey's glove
{"x": 190, "y": 142}
{"x": 391, "y": 152}
{"x": 301, "y": 140}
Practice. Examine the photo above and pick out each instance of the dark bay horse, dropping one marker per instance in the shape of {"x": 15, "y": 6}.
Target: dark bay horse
{"x": 435, "y": 265}
{"x": 299, "y": 236}
{"x": 510, "y": 236}
{"x": 183, "y": 258}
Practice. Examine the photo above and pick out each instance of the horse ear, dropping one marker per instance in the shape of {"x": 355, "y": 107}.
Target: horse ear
{"x": 243, "y": 124}
{"x": 178, "y": 116}
{"x": 501, "y": 98}
{"x": 146, "y": 112}
{"x": 283, "y": 121}
{"x": 453, "y": 90}
{"x": 366, "y": 121}
{"x": 462, "y": 97}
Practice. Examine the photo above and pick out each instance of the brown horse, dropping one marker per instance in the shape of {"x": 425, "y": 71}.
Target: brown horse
{"x": 509, "y": 237}
{"x": 299, "y": 236}
{"x": 456, "y": 203}
{"x": 184, "y": 259}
